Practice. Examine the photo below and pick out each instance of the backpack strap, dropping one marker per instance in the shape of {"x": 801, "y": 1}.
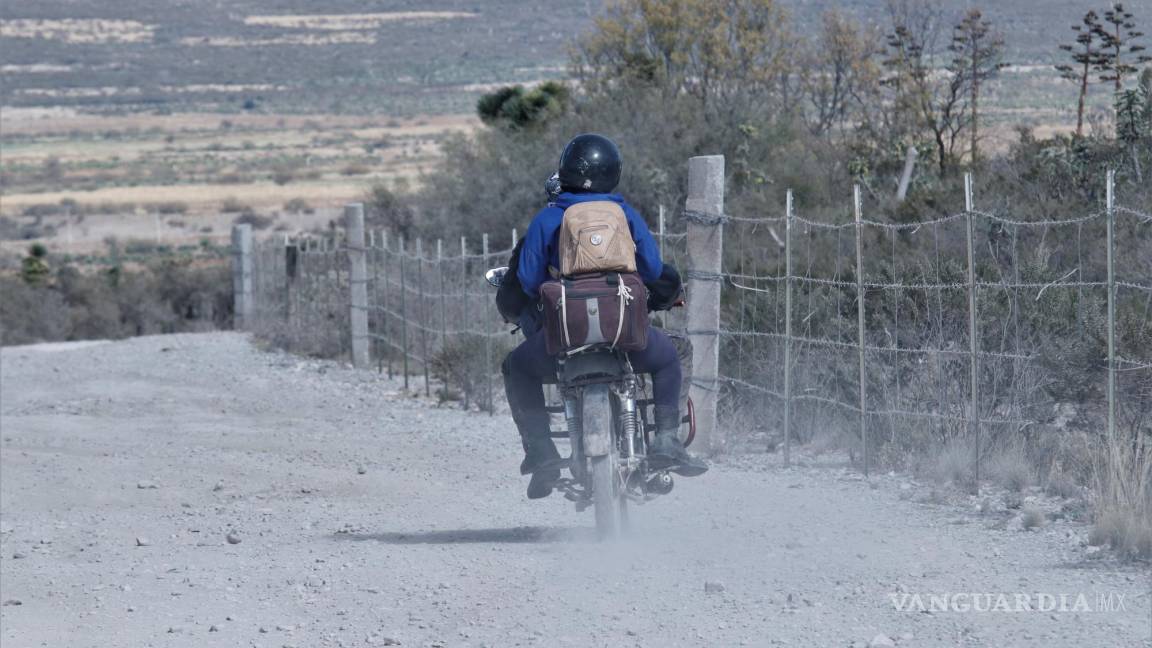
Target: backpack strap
{"x": 624, "y": 293}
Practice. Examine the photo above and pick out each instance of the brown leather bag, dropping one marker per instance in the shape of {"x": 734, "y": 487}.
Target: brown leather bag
{"x": 595, "y": 237}
{"x": 608, "y": 308}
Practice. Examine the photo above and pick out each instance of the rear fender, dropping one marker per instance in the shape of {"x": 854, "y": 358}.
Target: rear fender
{"x": 597, "y": 420}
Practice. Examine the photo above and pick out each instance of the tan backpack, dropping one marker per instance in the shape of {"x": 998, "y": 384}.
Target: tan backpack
{"x": 595, "y": 237}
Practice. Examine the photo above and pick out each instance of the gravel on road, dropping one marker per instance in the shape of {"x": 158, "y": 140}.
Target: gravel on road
{"x": 195, "y": 490}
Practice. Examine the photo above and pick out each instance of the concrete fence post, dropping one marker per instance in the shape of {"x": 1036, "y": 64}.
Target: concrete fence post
{"x": 858, "y": 216}
{"x": 357, "y": 282}
{"x": 788, "y": 211}
{"x": 1110, "y": 205}
{"x": 704, "y": 212}
{"x": 973, "y": 336}
{"x": 242, "y": 276}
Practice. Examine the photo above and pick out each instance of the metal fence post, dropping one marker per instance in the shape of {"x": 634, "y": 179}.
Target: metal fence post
{"x": 423, "y": 296}
{"x": 1110, "y": 203}
{"x": 389, "y": 343}
{"x": 858, "y": 214}
{"x": 357, "y": 282}
{"x": 403, "y": 310}
{"x": 242, "y": 276}
{"x": 660, "y": 228}
{"x": 465, "y": 307}
{"x": 973, "y": 339}
{"x": 443, "y": 299}
{"x": 788, "y": 329}
{"x": 291, "y": 270}
{"x": 487, "y": 343}
{"x": 704, "y": 211}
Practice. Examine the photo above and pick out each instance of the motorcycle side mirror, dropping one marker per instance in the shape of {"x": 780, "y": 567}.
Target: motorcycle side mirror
{"x": 495, "y": 276}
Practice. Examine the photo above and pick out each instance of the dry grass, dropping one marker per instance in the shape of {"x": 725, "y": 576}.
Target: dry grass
{"x": 953, "y": 464}
{"x": 1124, "y": 508}
{"x": 79, "y": 30}
{"x": 1011, "y": 469}
{"x": 1032, "y": 518}
{"x": 198, "y": 196}
{"x": 307, "y": 40}
{"x": 341, "y": 22}
{"x": 60, "y": 120}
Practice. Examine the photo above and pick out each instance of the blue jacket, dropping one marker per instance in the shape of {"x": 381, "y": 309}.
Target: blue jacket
{"x": 542, "y": 242}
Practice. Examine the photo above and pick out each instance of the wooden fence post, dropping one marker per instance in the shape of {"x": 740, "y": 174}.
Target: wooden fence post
{"x": 242, "y": 276}
{"x": 704, "y": 211}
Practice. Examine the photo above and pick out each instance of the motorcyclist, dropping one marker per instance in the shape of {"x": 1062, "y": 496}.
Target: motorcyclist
{"x": 589, "y": 170}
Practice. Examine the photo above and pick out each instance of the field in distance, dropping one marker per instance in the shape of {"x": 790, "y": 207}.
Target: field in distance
{"x": 169, "y": 121}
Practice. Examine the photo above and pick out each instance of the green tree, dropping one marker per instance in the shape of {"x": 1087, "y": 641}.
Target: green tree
{"x": 515, "y": 107}
{"x": 34, "y": 268}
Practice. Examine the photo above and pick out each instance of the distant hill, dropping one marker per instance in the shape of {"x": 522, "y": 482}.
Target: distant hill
{"x": 390, "y": 56}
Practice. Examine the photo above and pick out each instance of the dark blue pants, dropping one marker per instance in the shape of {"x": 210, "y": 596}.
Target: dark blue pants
{"x": 529, "y": 365}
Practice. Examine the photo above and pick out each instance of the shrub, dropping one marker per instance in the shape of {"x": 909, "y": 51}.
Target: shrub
{"x": 1032, "y": 518}
{"x": 257, "y": 221}
{"x": 383, "y": 208}
{"x": 462, "y": 367}
{"x": 169, "y": 207}
{"x": 168, "y": 296}
{"x": 355, "y": 169}
{"x": 283, "y": 176}
{"x": 233, "y": 206}
{"x": 298, "y": 206}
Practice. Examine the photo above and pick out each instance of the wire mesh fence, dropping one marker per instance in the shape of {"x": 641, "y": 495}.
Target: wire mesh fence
{"x": 966, "y": 331}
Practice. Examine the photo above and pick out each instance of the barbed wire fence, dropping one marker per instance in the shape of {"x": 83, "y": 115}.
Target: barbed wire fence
{"x": 967, "y": 330}
{"x": 958, "y": 332}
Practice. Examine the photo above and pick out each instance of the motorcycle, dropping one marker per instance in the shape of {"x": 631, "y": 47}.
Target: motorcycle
{"x": 608, "y": 423}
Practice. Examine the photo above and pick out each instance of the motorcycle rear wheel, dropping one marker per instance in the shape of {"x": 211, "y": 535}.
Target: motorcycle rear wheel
{"x": 607, "y": 495}
{"x": 605, "y": 499}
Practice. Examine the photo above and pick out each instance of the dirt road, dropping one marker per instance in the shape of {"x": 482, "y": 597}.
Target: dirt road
{"x": 195, "y": 491}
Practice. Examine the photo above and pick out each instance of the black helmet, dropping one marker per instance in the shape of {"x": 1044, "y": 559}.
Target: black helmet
{"x": 590, "y": 163}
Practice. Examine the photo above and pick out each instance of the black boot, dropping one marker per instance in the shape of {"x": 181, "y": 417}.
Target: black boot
{"x": 541, "y": 459}
{"x": 666, "y": 451}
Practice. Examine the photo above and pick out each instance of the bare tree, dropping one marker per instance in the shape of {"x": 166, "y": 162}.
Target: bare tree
{"x": 840, "y": 72}
{"x": 936, "y": 100}
{"x": 978, "y": 57}
{"x": 1086, "y": 55}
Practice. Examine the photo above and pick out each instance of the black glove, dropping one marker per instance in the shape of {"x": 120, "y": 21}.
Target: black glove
{"x": 667, "y": 291}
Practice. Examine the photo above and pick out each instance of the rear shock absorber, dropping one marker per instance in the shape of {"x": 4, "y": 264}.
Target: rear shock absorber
{"x": 628, "y": 424}
{"x": 572, "y": 418}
